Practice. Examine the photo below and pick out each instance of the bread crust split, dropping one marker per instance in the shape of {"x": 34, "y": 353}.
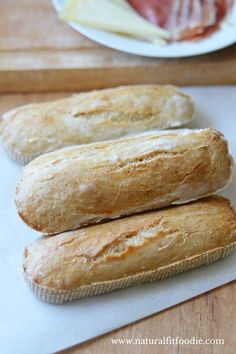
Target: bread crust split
{"x": 34, "y": 129}
{"x": 130, "y": 250}
{"x": 83, "y": 185}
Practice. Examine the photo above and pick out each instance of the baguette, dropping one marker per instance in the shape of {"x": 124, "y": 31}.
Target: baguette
{"x": 32, "y": 130}
{"x": 81, "y": 185}
{"x": 127, "y": 251}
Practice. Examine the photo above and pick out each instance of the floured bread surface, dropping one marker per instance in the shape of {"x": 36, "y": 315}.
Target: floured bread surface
{"x": 128, "y": 246}
{"x": 32, "y": 130}
{"x": 75, "y": 186}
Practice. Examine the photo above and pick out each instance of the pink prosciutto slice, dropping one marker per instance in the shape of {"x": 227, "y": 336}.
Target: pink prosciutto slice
{"x": 184, "y": 19}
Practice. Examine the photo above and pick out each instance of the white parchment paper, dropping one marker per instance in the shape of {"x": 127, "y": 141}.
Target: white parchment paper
{"x": 29, "y": 326}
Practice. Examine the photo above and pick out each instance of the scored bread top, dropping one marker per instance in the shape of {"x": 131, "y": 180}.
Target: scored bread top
{"x": 80, "y": 185}
{"x": 34, "y": 129}
{"x": 133, "y": 244}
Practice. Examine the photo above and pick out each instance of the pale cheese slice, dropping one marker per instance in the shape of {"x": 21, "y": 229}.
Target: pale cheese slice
{"x": 111, "y": 15}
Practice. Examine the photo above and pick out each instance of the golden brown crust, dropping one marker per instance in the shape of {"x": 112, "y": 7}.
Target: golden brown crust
{"x": 54, "y": 296}
{"x": 131, "y": 245}
{"x": 32, "y": 130}
{"x": 82, "y": 185}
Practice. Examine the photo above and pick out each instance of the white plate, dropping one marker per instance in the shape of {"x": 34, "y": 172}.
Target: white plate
{"x": 220, "y": 39}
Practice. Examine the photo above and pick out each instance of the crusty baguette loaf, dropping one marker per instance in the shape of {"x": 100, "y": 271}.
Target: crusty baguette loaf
{"x": 75, "y": 186}
{"x": 32, "y": 130}
{"x": 130, "y": 246}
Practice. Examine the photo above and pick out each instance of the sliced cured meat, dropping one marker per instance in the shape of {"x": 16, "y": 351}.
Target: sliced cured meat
{"x": 202, "y": 15}
{"x": 184, "y": 19}
{"x": 157, "y": 12}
